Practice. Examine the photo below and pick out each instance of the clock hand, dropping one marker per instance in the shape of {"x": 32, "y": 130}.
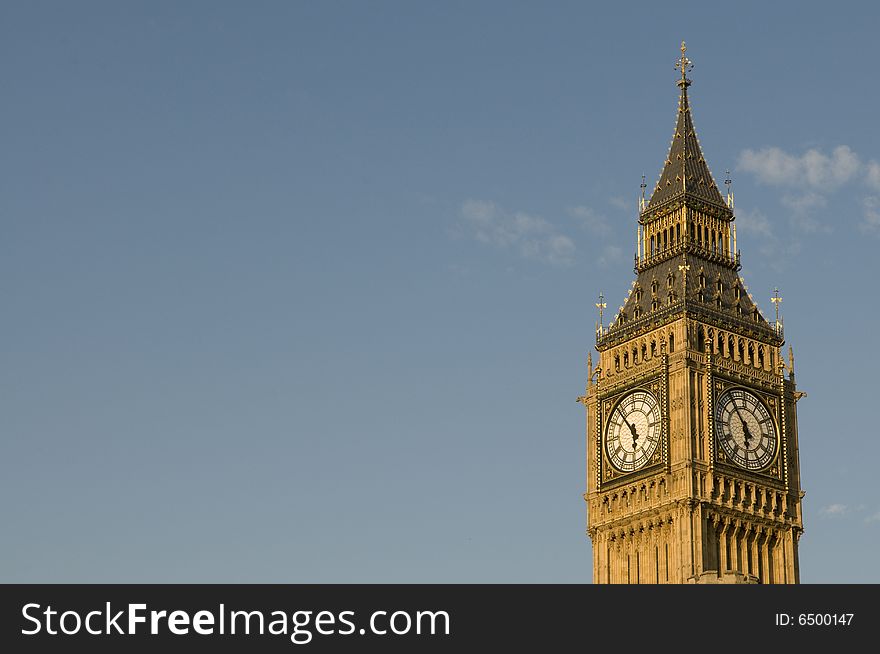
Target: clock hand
{"x": 746, "y": 433}
{"x": 632, "y": 429}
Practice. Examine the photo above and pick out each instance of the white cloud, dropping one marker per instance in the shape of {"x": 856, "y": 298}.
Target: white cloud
{"x": 557, "y": 249}
{"x": 872, "y": 176}
{"x": 871, "y": 222}
{"x": 590, "y": 220}
{"x": 874, "y": 517}
{"x": 803, "y": 202}
{"x": 753, "y": 222}
{"x": 813, "y": 169}
{"x": 814, "y": 175}
{"x": 770, "y": 165}
{"x": 836, "y": 170}
{"x": 801, "y": 207}
{"x": 610, "y": 255}
{"x": 532, "y": 236}
{"x": 622, "y": 204}
{"x": 752, "y": 225}
{"x": 834, "y": 510}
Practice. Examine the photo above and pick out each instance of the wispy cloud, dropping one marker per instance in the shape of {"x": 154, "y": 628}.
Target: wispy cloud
{"x": 591, "y": 220}
{"x": 872, "y": 176}
{"x": 801, "y": 213}
{"x": 611, "y": 254}
{"x": 871, "y": 216}
{"x": 833, "y": 510}
{"x": 532, "y": 236}
{"x": 838, "y": 510}
{"x": 621, "y": 203}
{"x": 753, "y": 221}
{"x": 810, "y": 177}
{"x": 813, "y": 169}
{"x": 599, "y": 227}
{"x": 557, "y": 249}
{"x": 775, "y": 251}
{"x": 804, "y": 202}
{"x": 871, "y": 222}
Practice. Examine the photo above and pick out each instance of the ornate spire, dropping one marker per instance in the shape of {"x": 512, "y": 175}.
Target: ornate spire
{"x": 685, "y": 171}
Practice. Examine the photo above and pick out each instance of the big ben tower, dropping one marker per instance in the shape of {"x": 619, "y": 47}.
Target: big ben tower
{"x": 692, "y": 449}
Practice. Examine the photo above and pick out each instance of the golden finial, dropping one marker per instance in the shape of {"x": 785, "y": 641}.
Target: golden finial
{"x": 642, "y": 186}
{"x": 683, "y": 269}
{"x": 727, "y": 183}
{"x": 600, "y": 305}
{"x": 589, "y": 368}
{"x": 686, "y": 65}
{"x": 776, "y": 300}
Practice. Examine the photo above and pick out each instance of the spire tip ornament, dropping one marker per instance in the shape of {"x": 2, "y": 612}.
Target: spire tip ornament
{"x": 685, "y": 65}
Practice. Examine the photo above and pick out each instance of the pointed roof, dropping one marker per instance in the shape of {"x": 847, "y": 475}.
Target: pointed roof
{"x": 713, "y": 291}
{"x": 678, "y": 293}
{"x": 685, "y": 171}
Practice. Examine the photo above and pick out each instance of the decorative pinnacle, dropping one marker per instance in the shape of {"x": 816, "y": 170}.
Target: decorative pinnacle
{"x": 727, "y": 183}
{"x": 600, "y": 305}
{"x": 776, "y": 300}
{"x": 686, "y": 65}
{"x": 683, "y": 269}
{"x": 589, "y": 369}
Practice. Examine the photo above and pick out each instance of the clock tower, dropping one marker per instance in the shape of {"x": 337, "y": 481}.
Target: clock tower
{"x": 692, "y": 449}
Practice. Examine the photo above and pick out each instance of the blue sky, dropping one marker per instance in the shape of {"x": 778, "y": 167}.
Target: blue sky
{"x": 303, "y": 292}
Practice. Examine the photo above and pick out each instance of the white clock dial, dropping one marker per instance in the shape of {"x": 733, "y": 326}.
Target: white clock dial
{"x": 633, "y": 431}
{"x": 745, "y": 429}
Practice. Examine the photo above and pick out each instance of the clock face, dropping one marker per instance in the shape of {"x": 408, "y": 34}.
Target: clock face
{"x": 745, "y": 429}
{"x": 633, "y": 431}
